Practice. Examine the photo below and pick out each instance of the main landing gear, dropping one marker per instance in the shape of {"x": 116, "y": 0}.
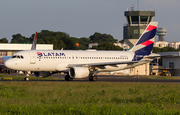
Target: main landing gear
{"x": 68, "y": 78}
{"x": 92, "y": 77}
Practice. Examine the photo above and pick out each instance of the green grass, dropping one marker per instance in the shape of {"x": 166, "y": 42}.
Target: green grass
{"x": 89, "y": 98}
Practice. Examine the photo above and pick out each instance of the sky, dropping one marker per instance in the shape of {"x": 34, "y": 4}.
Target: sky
{"x": 82, "y": 18}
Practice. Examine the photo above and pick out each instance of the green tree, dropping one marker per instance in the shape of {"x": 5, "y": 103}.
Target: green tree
{"x": 83, "y": 43}
{"x": 166, "y": 49}
{"x": 100, "y": 38}
{"x": 107, "y": 46}
{"x": 156, "y": 50}
{"x": 3, "y": 40}
{"x": 55, "y": 38}
{"x": 19, "y": 39}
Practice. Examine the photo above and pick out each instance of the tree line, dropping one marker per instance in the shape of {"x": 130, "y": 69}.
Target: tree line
{"x": 62, "y": 40}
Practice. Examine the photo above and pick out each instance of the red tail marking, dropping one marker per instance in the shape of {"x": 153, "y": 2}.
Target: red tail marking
{"x": 146, "y": 43}
{"x": 150, "y": 27}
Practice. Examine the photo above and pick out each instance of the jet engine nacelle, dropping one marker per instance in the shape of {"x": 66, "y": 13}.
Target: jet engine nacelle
{"x": 42, "y": 74}
{"x": 79, "y": 72}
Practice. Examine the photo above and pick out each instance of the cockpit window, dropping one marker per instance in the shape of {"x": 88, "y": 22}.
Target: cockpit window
{"x": 14, "y": 56}
{"x": 18, "y": 56}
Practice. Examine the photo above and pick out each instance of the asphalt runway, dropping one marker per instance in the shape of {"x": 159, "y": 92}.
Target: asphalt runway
{"x": 102, "y": 78}
{"x": 117, "y": 78}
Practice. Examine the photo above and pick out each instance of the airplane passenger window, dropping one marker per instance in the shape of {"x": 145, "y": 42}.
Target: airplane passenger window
{"x": 22, "y": 57}
{"x": 18, "y": 56}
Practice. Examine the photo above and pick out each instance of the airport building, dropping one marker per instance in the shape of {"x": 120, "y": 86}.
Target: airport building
{"x": 8, "y": 49}
{"x": 170, "y": 61}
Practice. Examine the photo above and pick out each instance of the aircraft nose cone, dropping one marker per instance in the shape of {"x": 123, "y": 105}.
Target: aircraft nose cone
{"x": 8, "y": 64}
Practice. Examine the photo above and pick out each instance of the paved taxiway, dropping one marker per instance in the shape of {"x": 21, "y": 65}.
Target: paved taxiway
{"x": 106, "y": 78}
{"x": 118, "y": 78}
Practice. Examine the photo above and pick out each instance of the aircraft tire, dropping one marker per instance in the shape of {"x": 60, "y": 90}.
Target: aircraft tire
{"x": 26, "y": 78}
{"x": 68, "y": 78}
{"x": 93, "y": 78}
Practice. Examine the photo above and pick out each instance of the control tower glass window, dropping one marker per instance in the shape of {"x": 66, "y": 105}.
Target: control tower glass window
{"x": 128, "y": 20}
{"x": 141, "y": 31}
{"x": 136, "y": 31}
{"x": 150, "y": 19}
{"x": 144, "y": 19}
{"x": 135, "y": 19}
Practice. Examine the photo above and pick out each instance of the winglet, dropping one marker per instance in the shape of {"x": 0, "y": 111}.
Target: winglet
{"x": 33, "y": 47}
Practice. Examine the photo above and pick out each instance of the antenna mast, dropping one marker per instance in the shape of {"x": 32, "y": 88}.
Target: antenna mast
{"x": 138, "y": 5}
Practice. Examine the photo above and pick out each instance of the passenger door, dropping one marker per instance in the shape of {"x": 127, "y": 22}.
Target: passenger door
{"x": 32, "y": 58}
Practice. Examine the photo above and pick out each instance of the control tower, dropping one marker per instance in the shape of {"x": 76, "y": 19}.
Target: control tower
{"x": 137, "y": 21}
{"x": 161, "y": 32}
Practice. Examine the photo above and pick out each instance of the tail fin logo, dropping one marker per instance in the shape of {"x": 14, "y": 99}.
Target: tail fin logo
{"x": 145, "y": 43}
{"x": 150, "y": 27}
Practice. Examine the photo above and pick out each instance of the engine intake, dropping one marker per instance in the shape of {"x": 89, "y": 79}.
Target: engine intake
{"x": 79, "y": 72}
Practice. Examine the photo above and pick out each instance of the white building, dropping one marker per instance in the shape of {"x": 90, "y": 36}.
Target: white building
{"x": 175, "y": 45}
{"x": 93, "y": 44}
{"x": 124, "y": 45}
{"x": 171, "y": 61}
{"x": 161, "y": 44}
{"x": 8, "y": 49}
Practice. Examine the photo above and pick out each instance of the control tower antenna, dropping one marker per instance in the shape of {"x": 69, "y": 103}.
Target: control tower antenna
{"x": 138, "y": 5}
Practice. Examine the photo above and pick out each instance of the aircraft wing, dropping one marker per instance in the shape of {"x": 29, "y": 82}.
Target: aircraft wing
{"x": 105, "y": 64}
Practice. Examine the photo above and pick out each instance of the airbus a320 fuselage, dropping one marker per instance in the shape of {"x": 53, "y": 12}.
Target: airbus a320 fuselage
{"x": 80, "y": 64}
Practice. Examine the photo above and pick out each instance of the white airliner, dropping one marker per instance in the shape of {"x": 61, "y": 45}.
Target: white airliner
{"x": 81, "y": 64}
